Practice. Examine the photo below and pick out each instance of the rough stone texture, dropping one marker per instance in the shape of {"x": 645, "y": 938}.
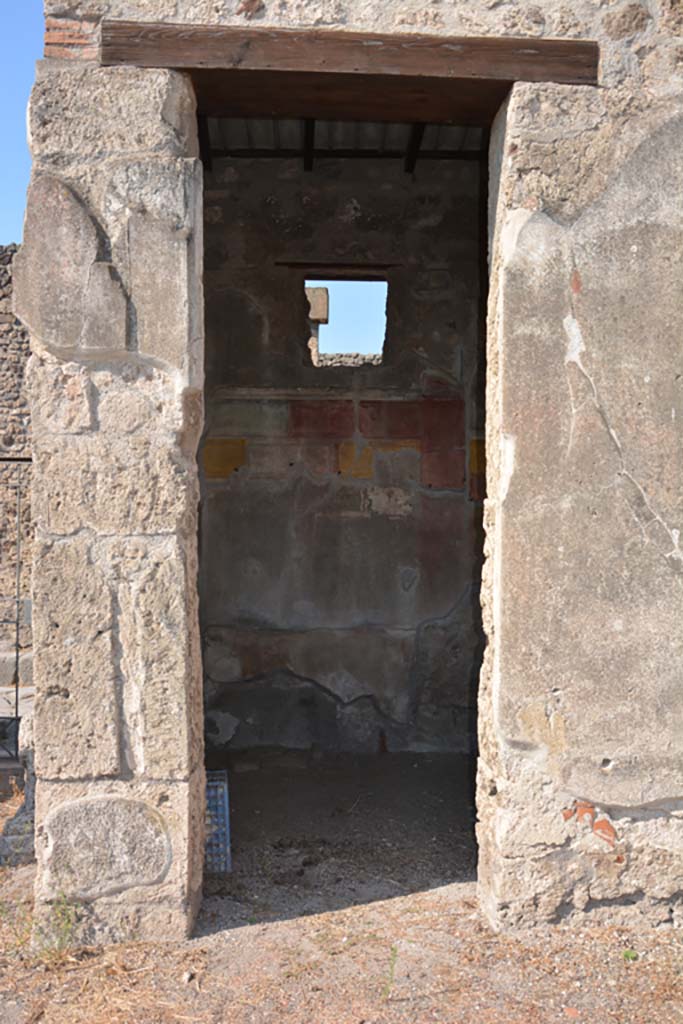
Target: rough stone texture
{"x": 116, "y": 418}
{"x": 580, "y": 778}
{"x": 341, "y": 552}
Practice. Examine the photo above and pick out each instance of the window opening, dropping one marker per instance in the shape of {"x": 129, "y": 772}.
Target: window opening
{"x": 348, "y": 321}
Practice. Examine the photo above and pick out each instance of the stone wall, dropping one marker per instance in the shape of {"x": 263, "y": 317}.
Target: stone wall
{"x": 15, "y": 474}
{"x": 341, "y": 540}
{"x": 108, "y": 281}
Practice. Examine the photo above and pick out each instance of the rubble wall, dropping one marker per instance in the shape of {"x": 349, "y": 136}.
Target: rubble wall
{"x": 15, "y": 475}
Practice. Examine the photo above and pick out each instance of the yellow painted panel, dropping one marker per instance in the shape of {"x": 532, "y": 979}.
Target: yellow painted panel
{"x": 356, "y": 462}
{"x": 222, "y": 456}
{"x": 477, "y": 456}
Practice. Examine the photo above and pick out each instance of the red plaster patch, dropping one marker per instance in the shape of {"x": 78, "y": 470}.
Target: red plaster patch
{"x": 391, "y": 420}
{"x": 568, "y": 813}
{"x": 605, "y": 830}
{"x": 443, "y": 469}
{"x": 443, "y": 424}
{"x": 323, "y": 420}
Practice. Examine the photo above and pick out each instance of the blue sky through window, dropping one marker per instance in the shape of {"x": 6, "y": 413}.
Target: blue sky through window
{"x": 358, "y": 315}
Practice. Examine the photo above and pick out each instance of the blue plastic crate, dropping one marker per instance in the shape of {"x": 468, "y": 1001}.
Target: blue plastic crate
{"x": 217, "y": 857}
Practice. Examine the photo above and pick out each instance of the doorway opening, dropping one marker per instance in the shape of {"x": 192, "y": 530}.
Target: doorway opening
{"x": 341, "y": 537}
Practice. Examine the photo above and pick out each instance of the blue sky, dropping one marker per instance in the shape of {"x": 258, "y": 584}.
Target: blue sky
{"x": 357, "y": 316}
{"x": 21, "y": 44}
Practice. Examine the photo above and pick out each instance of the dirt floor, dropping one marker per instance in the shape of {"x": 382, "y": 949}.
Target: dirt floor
{"x": 352, "y": 901}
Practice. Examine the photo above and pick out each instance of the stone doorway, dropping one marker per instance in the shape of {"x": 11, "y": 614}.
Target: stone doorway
{"x": 341, "y": 536}
{"x": 577, "y": 794}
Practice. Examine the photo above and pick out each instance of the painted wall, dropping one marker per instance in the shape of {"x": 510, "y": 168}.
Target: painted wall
{"x": 341, "y": 514}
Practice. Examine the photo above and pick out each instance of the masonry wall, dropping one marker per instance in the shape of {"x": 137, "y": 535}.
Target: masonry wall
{"x": 15, "y": 475}
{"x": 341, "y": 533}
{"x": 579, "y": 793}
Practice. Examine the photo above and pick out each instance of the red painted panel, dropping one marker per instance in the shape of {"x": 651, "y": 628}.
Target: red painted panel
{"x": 443, "y": 424}
{"x": 393, "y": 421}
{"x": 444, "y": 469}
{"x": 321, "y": 419}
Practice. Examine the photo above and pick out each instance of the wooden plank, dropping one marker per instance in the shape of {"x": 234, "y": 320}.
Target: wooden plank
{"x": 347, "y": 97}
{"x": 502, "y": 58}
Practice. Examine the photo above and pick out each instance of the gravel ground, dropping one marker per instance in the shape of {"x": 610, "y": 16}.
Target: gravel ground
{"x": 352, "y": 901}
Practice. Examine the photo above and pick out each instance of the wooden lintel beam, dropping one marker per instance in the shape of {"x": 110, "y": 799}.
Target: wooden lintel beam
{"x": 503, "y": 58}
{"x": 413, "y": 149}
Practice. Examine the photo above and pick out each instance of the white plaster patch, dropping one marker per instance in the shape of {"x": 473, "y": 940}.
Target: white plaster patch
{"x": 575, "y": 343}
{"x": 387, "y": 501}
{"x": 507, "y": 463}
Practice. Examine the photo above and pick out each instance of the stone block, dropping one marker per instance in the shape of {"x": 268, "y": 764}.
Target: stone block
{"x": 82, "y": 112}
{"x": 158, "y": 664}
{"x": 147, "y": 840}
{"x": 103, "y": 483}
{"x": 165, "y": 287}
{"x": 105, "y": 320}
{"x": 52, "y": 268}
{"x": 76, "y": 707}
{"x": 324, "y": 419}
{"x": 104, "y": 845}
{"x": 62, "y": 396}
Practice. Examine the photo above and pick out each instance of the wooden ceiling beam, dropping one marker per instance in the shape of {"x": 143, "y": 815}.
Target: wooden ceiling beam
{"x": 501, "y": 58}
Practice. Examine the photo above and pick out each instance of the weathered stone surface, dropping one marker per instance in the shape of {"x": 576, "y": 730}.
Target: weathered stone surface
{"x": 105, "y": 310}
{"x": 85, "y": 113}
{"x": 61, "y": 242}
{"x": 76, "y": 708}
{"x": 104, "y": 846}
{"x": 159, "y": 681}
{"x": 165, "y": 291}
{"x": 62, "y": 396}
{"x": 579, "y": 702}
{"x": 74, "y": 486}
{"x": 150, "y": 889}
